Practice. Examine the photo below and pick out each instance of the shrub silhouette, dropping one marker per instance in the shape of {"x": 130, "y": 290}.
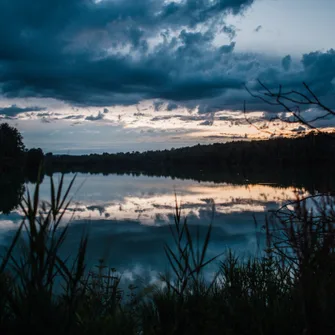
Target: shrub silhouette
{"x": 11, "y": 147}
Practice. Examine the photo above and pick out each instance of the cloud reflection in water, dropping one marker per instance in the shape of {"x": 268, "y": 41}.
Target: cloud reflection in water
{"x": 127, "y": 217}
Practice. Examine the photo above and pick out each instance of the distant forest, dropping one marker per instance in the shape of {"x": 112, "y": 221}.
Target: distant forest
{"x": 284, "y": 161}
{"x": 307, "y": 162}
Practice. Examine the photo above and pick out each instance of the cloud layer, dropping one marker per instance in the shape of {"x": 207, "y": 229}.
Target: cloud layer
{"x": 115, "y": 52}
{"x": 15, "y": 110}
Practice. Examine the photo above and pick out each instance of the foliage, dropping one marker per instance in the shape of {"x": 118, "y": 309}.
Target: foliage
{"x": 33, "y": 162}
{"x": 11, "y": 147}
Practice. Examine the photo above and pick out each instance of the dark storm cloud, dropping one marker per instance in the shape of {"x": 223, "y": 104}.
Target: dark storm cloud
{"x": 319, "y": 70}
{"x": 59, "y": 50}
{"x": 286, "y": 62}
{"x": 14, "y": 110}
{"x": 171, "y": 106}
{"x": 230, "y": 31}
{"x": 207, "y": 123}
{"x": 158, "y": 105}
{"x": 228, "y": 48}
{"x": 98, "y": 117}
{"x": 122, "y": 52}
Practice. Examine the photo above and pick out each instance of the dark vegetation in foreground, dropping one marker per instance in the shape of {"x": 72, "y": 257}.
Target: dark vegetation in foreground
{"x": 288, "y": 289}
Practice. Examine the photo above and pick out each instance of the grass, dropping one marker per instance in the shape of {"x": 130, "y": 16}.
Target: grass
{"x": 289, "y": 289}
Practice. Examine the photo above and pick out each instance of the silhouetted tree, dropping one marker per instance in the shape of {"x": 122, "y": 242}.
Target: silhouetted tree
{"x": 12, "y": 151}
{"x": 11, "y": 147}
{"x": 34, "y": 161}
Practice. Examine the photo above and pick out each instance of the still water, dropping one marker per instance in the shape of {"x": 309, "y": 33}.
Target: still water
{"x": 128, "y": 217}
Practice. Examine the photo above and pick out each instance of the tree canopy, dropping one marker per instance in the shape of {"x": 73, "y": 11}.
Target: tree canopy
{"x": 11, "y": 147}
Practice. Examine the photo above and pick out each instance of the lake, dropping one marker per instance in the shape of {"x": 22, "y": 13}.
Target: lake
{"x": 128, "y": 217}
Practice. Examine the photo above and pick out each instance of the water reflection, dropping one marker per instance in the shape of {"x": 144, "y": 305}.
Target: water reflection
{"x": 127, "y": 217}
{"x": 150, "y": 200}
{"x": 11, "y": 191}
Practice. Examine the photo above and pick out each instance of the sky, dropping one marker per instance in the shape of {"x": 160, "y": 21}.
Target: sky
{"x": 82, "y": 76}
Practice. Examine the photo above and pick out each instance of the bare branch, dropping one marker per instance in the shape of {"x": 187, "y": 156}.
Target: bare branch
{"x": 284, "y": 100}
